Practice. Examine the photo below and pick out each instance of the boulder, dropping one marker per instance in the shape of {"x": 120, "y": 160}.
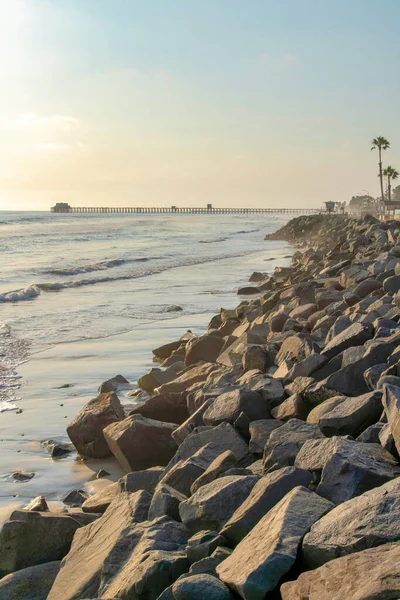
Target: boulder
{"x": 124, "y": 557}
{"x": 371, "y": 434}
{"x": 32, "y": 583}
{"x": 31, "y": 538}
{"x": 165, "y": 502}
{"x": 199, "y": 587}
{"x": 255, "y": 357}
{"x": 391, "y": 285}
{"x": 293, "y": 407}
{"x": 56, "y": 448}
{"x": 295, "y": 348}
{"x": 364, "y": 522}
{"x": 285, "y": 442}
{"x": 86, "y": 430}
{"x": 195, "y": 420}
{"x": 306, "y": 367}
{"x": 38, "y": 504}
{"x": 267, "y": 492}
{"x": 269, "y": 551}
{"x": 99, "y": 502}
{"x": 355, "y": 335}
{"x": 391, "y": 403}
{"x": 166, "y": 350}
{"x": 260, "y": 432}
{"x": 373, "y": 573}
{"x": 75, "y": 498}
{"x": 386, "y": 440}
{"x": 182, "y": 475}
{"x": 351, "y": 416}
{"x": 348, "y": 468}
{"x": 168, "y": 407}
{"x": 204, "y": 348}
{"x": 203, "y": 544}
{"x": 303, "y": 312}
{"x": 138, "y": 443}
{"x": 155, "y": 378}
{"x": 224, "y": 436}
{"x": 188, "y": 378}
{"x": 214, "y": 504}
{"x": 270, "y": 389}
{"x": 223, "y": 462}
{"x": 114, "y": 384}
{"x": 141, "y": 480}
{"x": 350, "y": 380}
{"x": 228, "y": 406}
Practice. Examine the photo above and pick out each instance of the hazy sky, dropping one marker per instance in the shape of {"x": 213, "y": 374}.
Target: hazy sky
{"x": 234, "y": 102}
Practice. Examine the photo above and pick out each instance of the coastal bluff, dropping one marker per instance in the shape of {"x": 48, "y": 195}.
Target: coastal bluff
{"x": 261, "y": 457}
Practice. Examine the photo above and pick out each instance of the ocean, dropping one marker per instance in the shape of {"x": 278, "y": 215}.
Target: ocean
{"x": 87, "y": 297}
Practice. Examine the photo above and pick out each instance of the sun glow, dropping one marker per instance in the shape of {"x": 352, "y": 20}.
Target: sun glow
{"x": 14, "y": 15}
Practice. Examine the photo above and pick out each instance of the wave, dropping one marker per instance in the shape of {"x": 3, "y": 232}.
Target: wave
{"x": 28, "y": 293}
{"x": 221, "y": 239}
{"x": 100, "y": 266}
{"x": 33, "y": 291}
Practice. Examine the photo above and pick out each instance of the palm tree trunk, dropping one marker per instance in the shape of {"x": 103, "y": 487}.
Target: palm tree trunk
{"x": 389, "y": 189}
{"x": 380, "y": 172}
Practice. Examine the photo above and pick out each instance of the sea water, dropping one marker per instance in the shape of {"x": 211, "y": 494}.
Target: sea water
{"x": 86, "y": 297}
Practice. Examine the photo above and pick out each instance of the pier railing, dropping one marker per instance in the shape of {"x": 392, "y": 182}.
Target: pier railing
{"x": 146, "y": 210}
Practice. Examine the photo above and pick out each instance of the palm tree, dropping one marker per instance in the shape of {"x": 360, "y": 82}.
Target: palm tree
{"x": 382, "y": 144}
{"x": 391, "y": 174}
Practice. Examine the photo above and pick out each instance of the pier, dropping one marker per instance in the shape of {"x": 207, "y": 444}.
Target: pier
{"x": 62, "y": 207}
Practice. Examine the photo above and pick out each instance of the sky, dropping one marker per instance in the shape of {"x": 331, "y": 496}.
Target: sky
{"x": 187, "y": 102}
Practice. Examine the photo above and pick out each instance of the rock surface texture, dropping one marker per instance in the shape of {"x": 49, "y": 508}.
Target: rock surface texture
{"x": 261, "y": 456}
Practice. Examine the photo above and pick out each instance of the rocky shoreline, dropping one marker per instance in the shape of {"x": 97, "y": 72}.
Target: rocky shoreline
{"x": 261, "y": 458}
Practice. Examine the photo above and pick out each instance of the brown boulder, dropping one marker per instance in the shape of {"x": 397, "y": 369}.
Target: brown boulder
{"x": 139, "y": 443}
{"x": 86, "y": 430}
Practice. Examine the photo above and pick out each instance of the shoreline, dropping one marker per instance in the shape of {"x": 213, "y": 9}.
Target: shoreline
{"x": 70, "y": 362}
{"x": 280, "y": 422}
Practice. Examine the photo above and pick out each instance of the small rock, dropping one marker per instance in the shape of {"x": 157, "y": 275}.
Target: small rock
{"x": 57, "y": 449}
{"x": 22, "y": 475}
{"x": 38, "y": 504}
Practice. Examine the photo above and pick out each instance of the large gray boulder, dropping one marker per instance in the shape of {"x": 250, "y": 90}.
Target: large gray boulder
{"x": 195, "y": 420}
{"x": 200, "y": 587}
{"x": 228, "y": 406}
{"x": 363, "y": 522}
{"x": 186, "y": 472}
{"x": 355, "y": 335}
{"x": 214, "y": 504}
{"x": 202, "y": 544}
{"x": 285, "y": 442}
{"x": 86, "y": 430}
{"x": 348, "y": 468}
{"x": 168, "y": 407}
{"x": 141, "y": 480}
{"x": 391, "y": 403}
{"x": 367, "y": 575}
{"x": 165, "y": 502}
{"x": 269, "y": 551}
{"x": 259, "y": 434}
{"x": 138, "y": 443}
{"x": 32, "y": 538}
{"x": 267, "y": 492}
{"x": 32, "y": 583}
{"x": 221, "y": 464}
{"x": 352, "y": 416}
{"x": 224, "y": 436}
{"x": 123, "y": 555}
{"x": 205, "y": 347}
{"x": 293, "y": 407}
